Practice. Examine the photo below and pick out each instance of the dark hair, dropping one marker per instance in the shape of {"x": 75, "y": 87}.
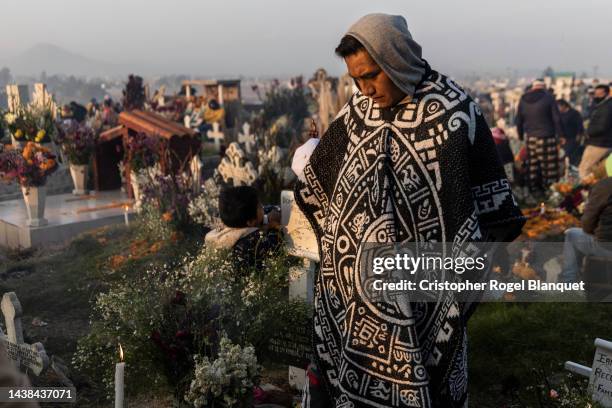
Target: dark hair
{"x": 349, "y": 45}
{"x": 563, "y": 102}
{"x": 238, "y": 205}
{"x": 605, "y": 87}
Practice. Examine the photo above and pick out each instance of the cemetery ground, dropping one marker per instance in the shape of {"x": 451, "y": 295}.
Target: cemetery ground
{"x": 516, "y": 351}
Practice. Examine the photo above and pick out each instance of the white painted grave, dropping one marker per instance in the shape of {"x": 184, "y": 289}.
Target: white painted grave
{"x": 32, "y": 357}
{"x": 600, "y": 374}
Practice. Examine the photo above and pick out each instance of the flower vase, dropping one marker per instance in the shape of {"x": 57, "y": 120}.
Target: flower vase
{"x": 35, "y": 198}
{"x": 79, "y": 178}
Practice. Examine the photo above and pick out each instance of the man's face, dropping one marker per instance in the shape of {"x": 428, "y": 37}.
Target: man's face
{"x": 600, "y": 93}
{"x": 372, "y": 81}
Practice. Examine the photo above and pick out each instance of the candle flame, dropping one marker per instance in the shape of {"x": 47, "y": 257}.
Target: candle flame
{"x": 120, "y": 352}
{"x": 126, "y": 207}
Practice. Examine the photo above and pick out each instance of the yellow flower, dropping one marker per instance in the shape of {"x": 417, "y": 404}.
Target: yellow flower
{"x": 18, "y": 134}
{"x": 40, "y": 135}
{"x": 10, "y": 118}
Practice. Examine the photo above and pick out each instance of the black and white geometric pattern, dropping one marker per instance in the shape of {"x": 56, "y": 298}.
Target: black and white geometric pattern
{"x": 402, "y": 175}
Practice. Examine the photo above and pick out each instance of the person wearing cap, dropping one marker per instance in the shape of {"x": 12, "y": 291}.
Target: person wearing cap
{"x": 409, "y": 158}
{"x": 538, "y": 122}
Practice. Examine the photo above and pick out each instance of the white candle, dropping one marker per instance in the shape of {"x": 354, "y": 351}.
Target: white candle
{"x": 119, "y": 387}
{"x": 125, "y": 216}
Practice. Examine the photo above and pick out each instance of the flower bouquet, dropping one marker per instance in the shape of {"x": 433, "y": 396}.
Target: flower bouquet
{"x": 142, "y": 152}
{"x": 78, "y": 142}
{"x": 227, "y": 381}
{"x": 31, "y": 124}
{"x": 30, "y": 168}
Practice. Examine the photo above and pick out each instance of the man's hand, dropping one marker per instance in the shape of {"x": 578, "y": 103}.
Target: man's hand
{"x": 562, "y": 141}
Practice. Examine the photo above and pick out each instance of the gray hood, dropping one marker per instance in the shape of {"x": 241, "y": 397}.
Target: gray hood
{"x": 390, "y": 44}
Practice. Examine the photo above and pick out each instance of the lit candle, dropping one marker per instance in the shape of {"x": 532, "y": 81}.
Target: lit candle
{"x": 119, "y": 370}
{"x": 125, "y": 215}
{"x": 567, "y": 166}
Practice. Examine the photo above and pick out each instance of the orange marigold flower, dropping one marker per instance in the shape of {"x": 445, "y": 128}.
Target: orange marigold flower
{"x": 116, "y": 261}
{"x": 167, "y": 216}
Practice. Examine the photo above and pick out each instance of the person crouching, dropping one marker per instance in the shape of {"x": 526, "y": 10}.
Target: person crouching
{"x": 247, "y": 232}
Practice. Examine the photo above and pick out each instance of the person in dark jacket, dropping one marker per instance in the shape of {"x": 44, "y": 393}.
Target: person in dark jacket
{"x": 599, "y": 140}
{"x": 595, "y": 236}
{"x": 249, "y": 233}
{"x": 571, "y": 120}
{"x": 538, "y": 121}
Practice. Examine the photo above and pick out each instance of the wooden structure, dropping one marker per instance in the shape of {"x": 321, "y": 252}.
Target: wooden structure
{"x": 181, "y": 143}
{"x": 222, "y": 90}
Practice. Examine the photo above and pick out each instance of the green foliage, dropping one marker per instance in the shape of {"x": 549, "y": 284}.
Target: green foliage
{"x": 518, "y": 350}
{"x": 172, "y": 312}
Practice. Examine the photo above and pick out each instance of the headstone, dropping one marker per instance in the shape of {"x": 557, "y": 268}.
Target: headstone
{"x": 32, "y": 357}
{"x": 216, "y": 135}
{"x": 301, "y": 242}
{"x": 246, "y": 138}
{"x": 42, "y": 98}
{"x": 235, "y": 169}
{"x": 17, "y": 95}
{"x": 600, "y": 374}
{"x": 299, "y": 236}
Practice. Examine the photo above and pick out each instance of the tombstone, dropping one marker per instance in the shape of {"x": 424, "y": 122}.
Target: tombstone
{"x": 32, "y": 357}
{"x": 235, "y": 169}
{"x": 321, "y": 86}
{"x": 216, "y": 135}
{"x": 17, "y": 95}
{"x": 300, "y": 241}
{"x": 41, "y": 98}
{"x": 600, "y": 374}
{"x": 246, "y": 138}
{"x": 299, "y": 236}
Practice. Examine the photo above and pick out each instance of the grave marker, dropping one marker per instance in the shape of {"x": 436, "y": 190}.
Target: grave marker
{"x": 246, "y": 138}
{"x": 301, "y": 242}
{"x": 216, "y": 135}
{"x": 235, "y": 169}
{"x": 33, "y": 356}
{"x": 600, "y": 374}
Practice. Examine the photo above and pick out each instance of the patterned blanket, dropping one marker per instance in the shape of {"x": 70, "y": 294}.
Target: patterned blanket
{"x": 424, "y": 171}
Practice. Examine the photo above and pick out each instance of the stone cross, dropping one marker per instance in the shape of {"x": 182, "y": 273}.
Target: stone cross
{"x": 33, "y": 356}
{"x": 235, "y": 169}
{"x": 247, "y": 138}
{"x": 216, "y": 135}
{"x": 600, "y": 374}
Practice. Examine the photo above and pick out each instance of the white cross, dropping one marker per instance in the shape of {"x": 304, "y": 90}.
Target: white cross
{"x": 32, "y": 356}
{"x": 216, "y": 135}
{"x": 235, "y": 168}
{"x": 247, "y": 138}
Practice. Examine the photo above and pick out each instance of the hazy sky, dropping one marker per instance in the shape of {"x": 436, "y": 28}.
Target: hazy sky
{"x": 276, "y": 37}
